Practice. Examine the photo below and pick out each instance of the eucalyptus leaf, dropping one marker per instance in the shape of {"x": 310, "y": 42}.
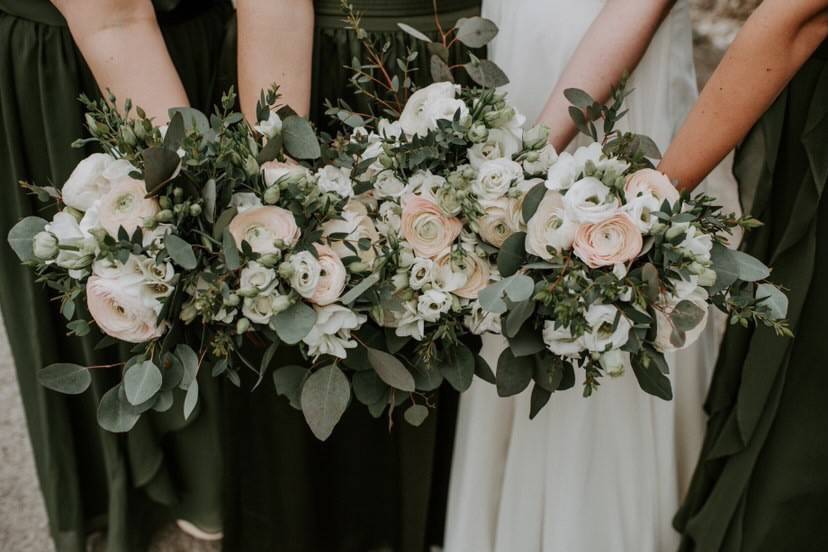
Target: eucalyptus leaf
{"x": 517, "y": 288}
{"x": 513, "y": 373}
{"x": 325, "y": 396}
{"x": 486, "y": 73}
{"x": 774, "y": 299}
{"x": 160, "y": 166}
{"x": 518, "y": 314}
{"x": 294, "y": 323}
{"x": 288, "y": 382}
{"x": 189, "y": 364}
{"x": 190, "y": 399}
{"x": 440, "y": 71}
{"x": 538, "y": 400}
{"x": 475, "y": 32}
{"x": 578, "y": 98}
{"x": 116, "y": 414}
{"x": 408, "y": 29}
{"x": 175, "y": 132}
{"x": 368, "y": 387}
{"x": 164, "y": 402}
{"x": 512, "y": 254}
{"x": 208, "y": 194}
{"x": 193, "y": 118}
{"x": 232, "y": 260}
{"x": 391, "y": 370}
{"x": 416, "y": 414}
{"x": 141, "y": 382}
{"x": 181, "y": 252}
{"x": 457, "y": 365}
{"x": 483, "y": 371}
{"x": 21, "y": 236}
{"x": 71, "y": 379}
{"x": 355, "y": 292}
{"x": 532, "y": 200}
{"x": 652, "y": 381}
{"x": 299, "y": 138}
{"x": 427, "y": 377}
{"x": 687, "y": 315}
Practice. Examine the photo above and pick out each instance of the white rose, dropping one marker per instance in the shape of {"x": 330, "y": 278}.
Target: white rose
{"x": 420, "y": 273}
{"x": 256, "y": 276}
{"x": 336, "y": 180}
{"x": 331, "y": 335}
{"x": 45, "y": 246}
{"x": 562, "y": 173}
{"x": 244, "y": 201}
{"x": 480, "y": 321}
{"x": 92, "y": 178}
{"x": 271, "y": 127}
{"x": 601, "y": 319}
{"x": 550, "y": 227}
{"x": 126, "y": 206}
{"x": 501, "y": 144}
{"x": 541, "y": 160}
{"x": 388, "y": 185}
{"x": 306, "y": 273}
{"x": 589, "y": 201}
{"x": 560, "y": 340}
{"x": 495, "y": 178}
{"x": 427, "y": 105}
{"x": 433, "y": 303}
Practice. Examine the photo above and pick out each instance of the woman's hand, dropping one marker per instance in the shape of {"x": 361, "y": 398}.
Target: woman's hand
{"x": 775, "y": 42}
{"x": 614, "y": 44}
{"x": 275, "y": 46}
{"x": 121, "y": 42}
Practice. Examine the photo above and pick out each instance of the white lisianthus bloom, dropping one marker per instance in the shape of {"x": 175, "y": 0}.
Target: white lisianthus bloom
{"x": 306, "y": 273}
{"x": 562, "y": 173}
{"x": 428, "y": 105}
{"x": 495, "y": 178}
{"x": 259, "y": 309}
{"x": 499, "y": 220}
{"x": 560, "y": 340}
{"x": 480, "y": 321}
{"x": 336, "y": 180}
{"x": 614, "y": 362}
{"x": 424, "y": 184}
{"x": 256, "y": 276}
{"x": 501, "y": 144}
{"x": 601, "y": 319}
{"x": 92, "y": 178}
{"x": 420, "y": 273}
{"x": 433, "y": 303}
{"x": 271, "y": 127}
{"x": 157, "y": 277}
{"x": 389, "y": 220}
{"x": 388, "y": 185}
{"x": 355, "y": 225}
{"x": 153, "y": 240}
{"x": 70, "y": 234}
{"x": 641, "y": 208}
{"x": 589, "y": 201}
{"x": 126, "y": 206}
{"x": 389, "y": 130}
{"x": 244, "y": 201}
{"x": 550, "y": 227}
{"x": 409, "y": 323}
{"x": 331, "y": 335}
{"x": 696, "y": 244}
{"x": 540, "y": 161}
{"x": 595, "y": 153}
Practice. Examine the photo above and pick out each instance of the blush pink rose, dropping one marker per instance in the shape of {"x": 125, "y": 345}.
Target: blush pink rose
{"x": 331, "y": 278}
{"x": 650, "y": 181}
{"x": 121, "y": 311}
{"x": 427, "y": 228}
{"x": 613, "y": 241}
{"x": 262, "y": 227}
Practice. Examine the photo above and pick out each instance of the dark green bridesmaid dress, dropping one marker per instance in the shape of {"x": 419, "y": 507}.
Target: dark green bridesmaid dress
{"x": 366, "y": 488}
{"x": 165, "y": 468}
{"x": 762, "y": 481}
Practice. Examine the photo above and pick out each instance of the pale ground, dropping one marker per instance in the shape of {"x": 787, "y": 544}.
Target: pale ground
{"x": 23, "y": 525}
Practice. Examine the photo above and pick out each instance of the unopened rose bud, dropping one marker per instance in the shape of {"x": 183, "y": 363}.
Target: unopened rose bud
{"x": 676, "y": 230}
{"x": 150, "y": 222}
{"x": 138, "y": 129}
{"x": 45, "y": 246}
{"x": 271, "y": 195}
{"x": 242, "y": 325}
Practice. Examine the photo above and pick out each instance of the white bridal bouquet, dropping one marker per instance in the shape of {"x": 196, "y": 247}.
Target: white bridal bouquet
{"x": 380, "y": 255}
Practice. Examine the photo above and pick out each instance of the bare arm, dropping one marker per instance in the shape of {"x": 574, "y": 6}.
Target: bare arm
{"x": 614, "y": 44}
{"x": 275, "y": 45}
{"x": 121, "y": 42}
{"x": 774, "y": 43}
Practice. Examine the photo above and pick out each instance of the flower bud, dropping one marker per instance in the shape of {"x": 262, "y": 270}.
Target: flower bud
{"x": 178, "y": 193}
{"x": 613, "y": 362}
{"x": 248, "y": 292}
{"x": 232, "y": 300}
{"x": 357, "y": 266}
{"x": 164, "y": 202}
{"x": 589, "y": 168}
{"x": 280, "y": 303}
{"x": 707, "y": 277}
{"x": 271, "y": 195}
{"x": 127, "y": 135}
{"x": 251, "y": 167}
{"x": 195, "y": 210}
{"x": 150, "y": 222}
{"x": 242, "y": 325}
{"x": 676, "y": 230}
{"x": 478, "y": 133}
{"x": 138, "y": 129}
{"x": 285, "y": 270}
{"x": 536, "y": 137}
{"x": 269, "y": 260}
{"x": 45, "y": 246}
{"x": 386, "y": 160}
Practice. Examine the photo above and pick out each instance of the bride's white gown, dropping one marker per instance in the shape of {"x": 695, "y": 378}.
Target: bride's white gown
{"x": 586, "y": 475}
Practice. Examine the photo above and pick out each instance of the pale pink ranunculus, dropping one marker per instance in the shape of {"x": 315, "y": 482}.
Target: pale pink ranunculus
{"x": 652, "y": 182}
{"x": 613, "y": 241}
{"x": 125, "y": 205}
{"x": 427, "y": 228}
{"x": 472, "y": 274}
{"x": 121, "y": 311}
{"x": 332, "y": 277}
{"x": 262, "y": 227}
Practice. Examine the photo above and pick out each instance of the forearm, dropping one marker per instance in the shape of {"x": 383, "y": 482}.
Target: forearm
{"x": 774, "y": 43}
{"x": 275, "y": 46}
{"x": 614, "y": 44}
{"x": 122, "y": 44}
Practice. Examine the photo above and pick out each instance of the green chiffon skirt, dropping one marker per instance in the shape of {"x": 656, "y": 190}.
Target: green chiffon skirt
{"x": 367, "y": 488}
{"x": 762, "y": 480}
{"x": 165, "y": 468}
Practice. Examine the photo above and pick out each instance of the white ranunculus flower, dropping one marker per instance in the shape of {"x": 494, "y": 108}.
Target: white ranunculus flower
{"x": 480, "y": 321}
{"x": 601, "y": 319}
{"x": 501, "y": 144}
{"x": 640, "y": 209}
{"x": 541, "y": 161}
{"x": 550, "y": 227}
{"x": 126, "y": 206}
{"x": 562, "y": 173}
{"x": 336, "y": 180}
{"x": 306, "y": 273}
{"x": 560, "y": 340}
{"x": 244, "y": 201}
{"x": 388, "y": 185}
{"x": 420, "y": 273}
{"x": 271, "y": 127}
{"x": 433, "y": 303}
{"x": 266, "y": 229}
{"x": 331, "y": 335}
{"x": 499, "y": 220}
{"x": 256, "y": 276}
{"x": 92, "y": 178}
{"x": 589, "y": 201}
{"x": 495, "y": 178}
{"x": 427, "y": 105}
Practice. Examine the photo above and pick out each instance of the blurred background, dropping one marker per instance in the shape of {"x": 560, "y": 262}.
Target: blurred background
{"x": 23, "y": 525}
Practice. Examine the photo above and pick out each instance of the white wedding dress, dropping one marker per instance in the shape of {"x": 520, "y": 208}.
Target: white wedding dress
{"x": 603, "y": 474}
